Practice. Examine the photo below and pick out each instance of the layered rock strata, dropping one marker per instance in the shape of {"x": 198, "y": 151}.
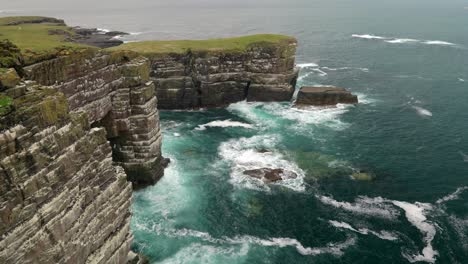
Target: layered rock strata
{"x": 79, "y": 122}
{"x": 213, "y": 79}
{"x": 62, "y": 200}
{"x": 116, "y": 93}
{"x": 324, "y": 96}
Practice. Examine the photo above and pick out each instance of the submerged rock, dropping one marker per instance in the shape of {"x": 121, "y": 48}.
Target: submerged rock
{"x": 362, "y": 176}
{"x": 325, "y": 96}
{"x": 269, "y": 175}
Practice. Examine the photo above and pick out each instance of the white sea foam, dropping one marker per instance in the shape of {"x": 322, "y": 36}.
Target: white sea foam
{"x": 224, "y": 124}
{"x": 422, "y": 111}
{"x": 461, "y": 80}
{"x": 416, "y": 215}
{"x": 176, "y": 134}
{"x": 307, "y": 65}
{"x": 320, "y": 72}
{"x": 336, "y": 249}
{"x": 103, "y": 30}
{"x": 377, "y": 206}
{"x": 328, "y": 117}
{"x": 367, "y": 36}
{"x": 404, "y": 40}
{"x": 464, "y": 156}
{"x": 438, "y": 42}
{"x": 344, "y": 69}
{"x": 453, "y": 196}
{"x": 303, "y": 76}
{"x": 243, "y": 154}
{"x": 135, "y": 33}
{"x": 401, "y": 41}
{"x": 385, "y": 235}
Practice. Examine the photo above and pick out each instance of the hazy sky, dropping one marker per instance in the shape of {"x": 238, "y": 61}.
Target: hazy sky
{"x": 112, "y": 4}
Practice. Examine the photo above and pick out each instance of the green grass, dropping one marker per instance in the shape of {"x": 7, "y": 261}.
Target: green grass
{"x": 23, "y": 19}
{"x": 34, "y": 40}
{"x": 5, "y": 103}
{"x": 210, "y": 45}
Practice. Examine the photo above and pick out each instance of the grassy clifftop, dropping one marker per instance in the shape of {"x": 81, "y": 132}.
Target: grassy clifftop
{"x": 41, "y": 38}
{"x": 238, "y": 44}
{"x": 38, "y": 38}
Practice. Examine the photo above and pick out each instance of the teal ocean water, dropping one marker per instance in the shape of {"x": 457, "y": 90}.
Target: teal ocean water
{"x": 408, "y": 63}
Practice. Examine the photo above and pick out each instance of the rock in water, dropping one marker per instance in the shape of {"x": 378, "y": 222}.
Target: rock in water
{"x": 325, "y": 96}
{"x": 269, "y": 175}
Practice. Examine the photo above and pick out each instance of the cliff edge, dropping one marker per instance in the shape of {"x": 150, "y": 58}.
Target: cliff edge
{"x": 80, "y": 124}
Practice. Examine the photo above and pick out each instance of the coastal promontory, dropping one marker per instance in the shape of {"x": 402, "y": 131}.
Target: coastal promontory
{"x": 79, "y": 125}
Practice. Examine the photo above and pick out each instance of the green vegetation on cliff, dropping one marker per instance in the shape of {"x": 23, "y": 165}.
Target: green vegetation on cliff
{"x": 5, "y": 103}
{"x": 38, "y": 38}
{"x": 238, "y": 44}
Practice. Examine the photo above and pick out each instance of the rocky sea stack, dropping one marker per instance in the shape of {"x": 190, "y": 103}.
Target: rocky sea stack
{"x": 80, "y": 124}
{"x": 324, "y": 96}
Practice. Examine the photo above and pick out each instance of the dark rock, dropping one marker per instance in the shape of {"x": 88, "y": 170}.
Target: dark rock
{"x": 91, "y": 36}
{"x": 325, "y": 96}
{"x": 37, "y": 20}
{"x": 269, "y": 175}
{"x": 115, "y": 33}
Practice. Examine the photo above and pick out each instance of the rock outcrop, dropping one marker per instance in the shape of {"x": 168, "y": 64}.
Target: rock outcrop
{"x": 269, "y": 175}
{"x": 78, "y": 124}
{"x": 324, "y": 96}
{"x": 116, "y": 93}
{"x": 212, "y": 80}
{"x": 69, "y": 136}
{"x": 62, "y": 200}
{"x": 204, "y": 74}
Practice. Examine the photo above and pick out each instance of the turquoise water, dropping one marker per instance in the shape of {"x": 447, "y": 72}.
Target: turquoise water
{"x": 407, "y": 61}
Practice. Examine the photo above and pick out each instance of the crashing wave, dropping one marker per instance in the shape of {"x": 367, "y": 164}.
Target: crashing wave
{"x": 253, "y": 153}
{"x": 224, "y": 124}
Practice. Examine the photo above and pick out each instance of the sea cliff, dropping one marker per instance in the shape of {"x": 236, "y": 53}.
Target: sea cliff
{"x": 80, "y": 124}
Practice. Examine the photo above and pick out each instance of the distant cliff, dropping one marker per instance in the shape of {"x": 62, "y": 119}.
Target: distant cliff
{"x": 213, "y": 73}
{"x": 77, "y": 122}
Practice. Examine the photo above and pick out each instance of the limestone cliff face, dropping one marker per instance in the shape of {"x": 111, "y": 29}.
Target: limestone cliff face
{"x": 213, "y": 79}
{"x": 62, "y": 199}
{"x": 64, "y": 196}
{"x": 116, "y": 93}
{"x": 77, "y": 129}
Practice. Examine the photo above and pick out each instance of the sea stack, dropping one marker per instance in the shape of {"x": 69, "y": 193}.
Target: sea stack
{"x": 324, "y": 96}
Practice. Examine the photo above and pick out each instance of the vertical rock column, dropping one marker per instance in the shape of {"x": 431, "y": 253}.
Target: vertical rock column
{"x": 133, "y": 124}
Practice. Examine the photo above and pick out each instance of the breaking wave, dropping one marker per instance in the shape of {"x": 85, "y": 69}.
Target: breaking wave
{"x": 255, "y": 153}
{"x": 403, "y": 40}
{"x": 416, "y": 213}
{"x": 224, "y": 124}
{"x": 422, "y": 111}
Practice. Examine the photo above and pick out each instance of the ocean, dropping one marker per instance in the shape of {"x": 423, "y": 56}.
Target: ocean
{"x": 408, "y": 63}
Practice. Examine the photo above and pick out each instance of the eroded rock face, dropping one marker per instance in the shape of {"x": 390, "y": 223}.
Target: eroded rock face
{"x": 198, "y": 80}
{"x": 325, "y": 96}
{"x": 62, "y": 199}
{"x": 116, "y": 92}
{"x": 269, "y": 175}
